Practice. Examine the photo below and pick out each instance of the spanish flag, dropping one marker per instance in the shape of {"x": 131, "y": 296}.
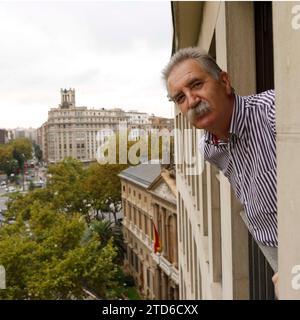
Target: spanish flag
{"x": 157, "y": 244}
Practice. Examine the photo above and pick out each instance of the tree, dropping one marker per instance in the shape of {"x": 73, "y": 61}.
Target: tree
{"x": 7, "y": 163}
{"x": 45, "y": 257}
{"x": 163, "y": 143}
{"x": 5, "y": 155}
{"x": 38, "y": 152}
{"x": 51, "y": 251}
{"x": 22, "y": 146}
{"x": 21, "y": 151}
{"x": 104, "y": 187}
{"x": 105, "y": 230}
{"x": 14, "y": 155}
{"x": 66, "y": 185}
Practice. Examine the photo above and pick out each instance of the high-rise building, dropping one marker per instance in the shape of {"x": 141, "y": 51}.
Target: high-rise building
{"x": 77, "y": 131}
{"x": 28, "y": 133}
{"x": 42, "y": 141}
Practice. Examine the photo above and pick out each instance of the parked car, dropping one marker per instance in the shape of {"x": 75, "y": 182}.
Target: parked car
{"x": 38, "y": 184}
{"x": 11, "y": 189}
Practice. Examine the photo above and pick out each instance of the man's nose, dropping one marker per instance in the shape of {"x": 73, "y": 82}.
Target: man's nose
{"x": 192, "y": 99}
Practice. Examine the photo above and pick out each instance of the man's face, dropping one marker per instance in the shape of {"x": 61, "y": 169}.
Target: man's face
{"x": 203, "y": 99}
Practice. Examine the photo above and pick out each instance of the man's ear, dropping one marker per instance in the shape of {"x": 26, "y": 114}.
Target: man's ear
{"x": 224, "y": 78}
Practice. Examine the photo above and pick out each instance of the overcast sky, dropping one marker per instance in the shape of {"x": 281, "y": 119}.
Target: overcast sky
{"x": 112, "y": 53}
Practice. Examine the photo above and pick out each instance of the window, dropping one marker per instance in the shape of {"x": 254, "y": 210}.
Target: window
{"x": 129, "y": 212}
{"x": 124, "y": 208}
{"x": 146, "y": 224}
{"x": 131, "y": 257}
{"x": 140, "y": 220}
{"x": 136, "y": 262}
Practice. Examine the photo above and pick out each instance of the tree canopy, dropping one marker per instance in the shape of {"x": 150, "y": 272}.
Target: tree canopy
{"x": 14, "y": 155}
{"x": 51, "y": 249}
{"x": 45, "y": 258}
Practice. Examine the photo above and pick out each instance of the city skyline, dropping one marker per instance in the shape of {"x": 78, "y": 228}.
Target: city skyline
{"x": 111, "y": 53}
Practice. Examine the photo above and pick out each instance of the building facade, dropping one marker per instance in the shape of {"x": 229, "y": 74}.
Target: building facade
{"x": 77, "y": 132}
{"x": 160, "y": 123}
{"x": 6, "y": 135}
{"x": 28, "y": 133}
{"x": 218, "y": 257}
{"x": 42, "y": 140}
{"x": 148, "y": 200}
{"x": 3, "y": 136}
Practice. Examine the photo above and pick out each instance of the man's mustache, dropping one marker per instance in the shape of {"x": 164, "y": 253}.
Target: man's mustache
{"x": 200, "y": 109}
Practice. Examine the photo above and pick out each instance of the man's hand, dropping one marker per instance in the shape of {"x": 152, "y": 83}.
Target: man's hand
{"x": 275, "y": 282}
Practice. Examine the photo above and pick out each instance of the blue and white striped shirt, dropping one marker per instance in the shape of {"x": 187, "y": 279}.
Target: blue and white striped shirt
{"x": 249, "y": 162}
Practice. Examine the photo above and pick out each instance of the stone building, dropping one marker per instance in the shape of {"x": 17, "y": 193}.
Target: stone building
{"x": 148, "y": 200}
{"x": 73, "y": 131}
{"x": 258, "y": 44}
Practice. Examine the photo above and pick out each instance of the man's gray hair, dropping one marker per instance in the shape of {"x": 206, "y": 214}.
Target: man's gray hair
{"x": 201, "y": 56}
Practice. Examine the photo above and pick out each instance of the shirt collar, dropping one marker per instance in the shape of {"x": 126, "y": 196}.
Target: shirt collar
{"x": 236, "y": 129}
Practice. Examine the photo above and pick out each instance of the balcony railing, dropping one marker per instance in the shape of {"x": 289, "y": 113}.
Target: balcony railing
{"x": 138, "y": 233}
{"x": 168, "y": 268}
{"x": 263, "y": 263}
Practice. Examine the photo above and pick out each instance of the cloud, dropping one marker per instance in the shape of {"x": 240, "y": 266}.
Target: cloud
{"x": 110, "y": 52}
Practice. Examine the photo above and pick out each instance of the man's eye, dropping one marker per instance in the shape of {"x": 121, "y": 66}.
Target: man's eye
{"x": 180, "y": 99}
{"x": 197, "y": 85}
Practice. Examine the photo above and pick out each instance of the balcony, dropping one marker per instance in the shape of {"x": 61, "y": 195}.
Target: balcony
{"x": 168, "y": 268}
{"x": 138, "y": 233}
